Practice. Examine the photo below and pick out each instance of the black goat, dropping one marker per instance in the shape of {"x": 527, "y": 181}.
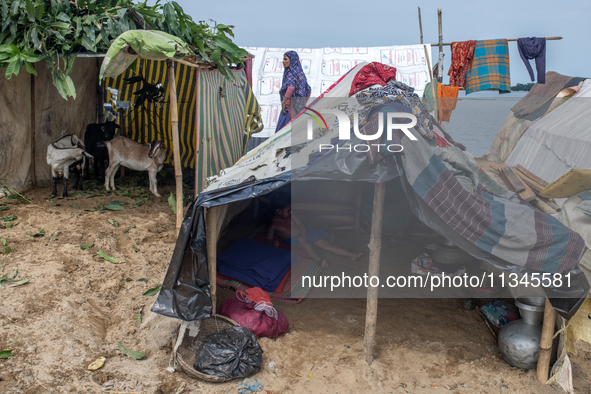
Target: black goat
{"x": 94, "y": 139}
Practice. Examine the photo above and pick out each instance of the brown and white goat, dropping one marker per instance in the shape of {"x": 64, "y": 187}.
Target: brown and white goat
{"x": 128, "y": 153}
{"x": 63, "y": 153}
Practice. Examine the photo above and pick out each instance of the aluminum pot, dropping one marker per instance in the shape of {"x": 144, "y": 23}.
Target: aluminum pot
{"x": 519, "y": 343}
{"x": 531, "y": 309}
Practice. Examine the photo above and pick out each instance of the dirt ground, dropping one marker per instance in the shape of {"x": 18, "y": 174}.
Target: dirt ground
{"x": 78, "y": 306}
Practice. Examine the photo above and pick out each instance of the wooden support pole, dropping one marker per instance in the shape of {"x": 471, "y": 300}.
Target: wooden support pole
{"x": 123, "y": 133}
{"x": 375, "y": 248}
{"x": 433, "y": 92}
{"x": 211, "y": 236}
{"x": 174, "y": 120}
{"x": 508, "y": 39}
{"x": 440, "y": 61}
{"x": 420, "y": 25}
{"x": 546, "y": 342}
{"x": 33, "y": 131}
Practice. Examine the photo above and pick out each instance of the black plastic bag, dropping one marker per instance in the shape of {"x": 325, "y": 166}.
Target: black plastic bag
{"x": 230, "y": 353}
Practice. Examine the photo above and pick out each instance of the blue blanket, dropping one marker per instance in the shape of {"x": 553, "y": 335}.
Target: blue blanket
{"x": 255, "y": 264}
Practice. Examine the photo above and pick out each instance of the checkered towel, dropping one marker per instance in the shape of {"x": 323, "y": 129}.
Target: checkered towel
{"x": 490, "y": 67}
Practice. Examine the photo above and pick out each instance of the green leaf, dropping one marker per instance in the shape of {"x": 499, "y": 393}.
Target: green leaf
{"x": 142, "y": 280}
{"x": 131, "y": 353}
{"x": 86, "y": 246}
{"x": 3, "y": 241}
{"x": 114, "y": 206}
{"x": 172, "y": 203}
{"x": 128, "y": 279}
{"x": 7, "y": 250}
{"x": 8, "y": 218}
{"x": 153, "y": 291}
{"x": 19, "y": 282}
{"x": 5, "y": 353}
{"x": 138, "y": 317}
{"x": 30, "y": 69}
{"x": 135, "y": 249}
{"x": 109, "y": 258}
{"x": 114, "y": 222}
{"x": 30, "y": 10}
{"x": 40, "y": 234}
{"x": 9, "y": 225}
{"x": 13, "y": 66}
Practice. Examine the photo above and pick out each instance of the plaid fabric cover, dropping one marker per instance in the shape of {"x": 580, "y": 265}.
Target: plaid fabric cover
{"x": 505, "y": 226}
{"x": 490, "y": 67}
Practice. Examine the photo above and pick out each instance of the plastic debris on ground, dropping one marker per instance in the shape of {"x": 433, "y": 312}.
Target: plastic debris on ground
{"x": 248, "y": 386}
{"x": 499, "y": 313}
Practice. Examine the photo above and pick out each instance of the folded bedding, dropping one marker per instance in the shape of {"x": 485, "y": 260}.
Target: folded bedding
{"x": 255, "y": 263}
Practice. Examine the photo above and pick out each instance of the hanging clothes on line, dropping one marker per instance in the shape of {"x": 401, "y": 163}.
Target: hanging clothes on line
{"x": 490, "y": 67}
{"x": 445, "y": 102}
{"x": 462, "y": 53}
{"x": 447, "y": 98}
{"x": 534, "y": 48}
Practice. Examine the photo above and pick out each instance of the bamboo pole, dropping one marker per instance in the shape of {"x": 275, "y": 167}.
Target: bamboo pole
{"x": 211, "y": 236}
{"x": 420, "y": 25}
{"x": 546, "y": 342}
{"x": 440, "y": 62}
{"x": 174, "y": 120}
{"x": 375, "y": 248}
{"x": 433, "y": 92}
{"x": 33, "y": 131}
{"x": 508, "y": 39}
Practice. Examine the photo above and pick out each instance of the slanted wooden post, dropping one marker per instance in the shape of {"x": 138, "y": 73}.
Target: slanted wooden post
{"x": 375, "y": 248}
{"x": 433, "y": 92}
{"x": 420, "y": 24}
{"x": 440, "y": 65}
{"x": 174, "y": 120}
{"x": 211, "y": 237}
{"x": 546, "y": 342}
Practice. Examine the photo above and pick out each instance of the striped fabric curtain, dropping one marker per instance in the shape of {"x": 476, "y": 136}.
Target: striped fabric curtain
{"x": 223, "y": 113}
{"x": 227, "y": 115}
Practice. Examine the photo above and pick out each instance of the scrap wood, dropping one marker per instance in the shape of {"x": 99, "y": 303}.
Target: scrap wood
{"x": 514, "y": 182}
{"x": 531, "y": 175}
{"x": 536, "y": 187}
{"x": 542, "y": 206}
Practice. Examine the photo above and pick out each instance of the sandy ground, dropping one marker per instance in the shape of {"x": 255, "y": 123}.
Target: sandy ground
{"x": 78, "y": 306}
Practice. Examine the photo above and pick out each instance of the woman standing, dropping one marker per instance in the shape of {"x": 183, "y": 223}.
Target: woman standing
{"x": 294, "y": 85}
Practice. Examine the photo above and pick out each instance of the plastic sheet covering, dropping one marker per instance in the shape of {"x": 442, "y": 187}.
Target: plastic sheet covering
{"x": 559, "y": 141}
{"x": 509, "y": 243}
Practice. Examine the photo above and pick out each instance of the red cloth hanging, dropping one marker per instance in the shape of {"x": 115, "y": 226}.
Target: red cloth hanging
{"x": 461, "y": 56}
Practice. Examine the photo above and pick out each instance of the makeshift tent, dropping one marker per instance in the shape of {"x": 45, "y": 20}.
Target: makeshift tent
{"x": 208, "y": 102}
{"x": 559, "y": 141}
{"x": 156, "y": 45}
{"x": 539, "y": 101}
{"x": 34, "y": 115}
{"x": 444, "y": 188}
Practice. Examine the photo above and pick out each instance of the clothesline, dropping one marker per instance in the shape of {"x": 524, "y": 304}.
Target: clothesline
{"x": 508, "y": 39}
